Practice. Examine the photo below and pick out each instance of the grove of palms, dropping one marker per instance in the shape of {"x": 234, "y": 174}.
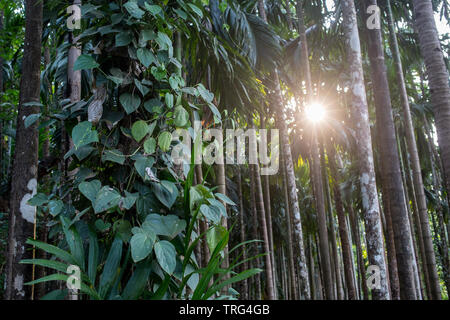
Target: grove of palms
{"x": 101, "y": 196}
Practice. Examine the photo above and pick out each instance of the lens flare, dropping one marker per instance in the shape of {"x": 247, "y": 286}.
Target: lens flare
{"x": 315, "y": 112}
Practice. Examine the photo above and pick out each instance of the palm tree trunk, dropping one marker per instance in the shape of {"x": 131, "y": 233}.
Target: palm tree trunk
{"x": 332, "y": 235}
{"x": 263, "y": 228}
{"x": 354, "y": 224}
{"x": 360, "y": 116}
{"x": 390, "y": 166}
{"x": 22, "y": 217}
{"x": 244, "y": 283}
{"x": 429, "y": 257}
{"x": 266, "y": 187}
{"x": 315, "y": 166}
{"x": 290, "y": 250}
{"x": 257, "y": 277}
{"x": 437, "y": 75}
{"x": 343, "y": 232}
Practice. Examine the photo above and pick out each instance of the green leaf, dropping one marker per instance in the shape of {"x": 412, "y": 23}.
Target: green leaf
{"x": 205, "y": 94}
{"x": 158, "y": 72}
{"x": 211, "y": 215}
{"x": 239, "y": 277}
{"x": 113, "y": 155}
{"x": 110, "y": 270}
{"x": 129, "y": 200}
{"x": 38, "y": 200}
{"x": 152, "y": 8}
{"x": 130, "y": 102}
{"x": 141, "y": 243}
{"x": 218, "y": 205}
{"x": 82, "y": 134}
{"x": 214, "y": 236}
{"x": 101, "y": 225}
{"x": 32, "y": 118}
{"x": 145, "y": 36}
{"x": 224, "y": 198}
{"x": 181, "y": 13}
{"x": 93, "y": 256}
{"x": 85, "y": 62}
{"x": 169, "y": 226}
{"x": 181, "y": 116}
{"x": 90, "y": 189}
{"x": 123, "y": 39}
{"x": 106, "y": 198}
{"x": 143, "y": 89}
{"x": 134, "y": 10}
{"x": 139, "y": 130}
{"x": 164, "y": 140}
{"x": 166, "y": 192}
{"x": 52, "y": 264}
{"x": 152, "y": 104}
{"x": 138, "y": 281}
{"x": 150, "y": 145}
{"x": 164, "y": 41}
{"x": 166, "y": 255}
{"x": 141, "y": 164}
{"x": 168, "y": 98}
{"x": 196, "y": 9}
{"x": 146, "y": 57}
{"x": 123, "y": 229}
{"x": 59, "y": 253}
{"x": 55, "y": 207}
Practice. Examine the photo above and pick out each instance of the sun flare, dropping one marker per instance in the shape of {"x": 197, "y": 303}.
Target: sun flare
{"x": 315, "y": 112}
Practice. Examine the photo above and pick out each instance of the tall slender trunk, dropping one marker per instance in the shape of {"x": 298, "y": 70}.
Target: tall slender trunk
{"x": 354, "y": 224}
{"x": 294, "y": 208}
{"x": 22, "y": 216}
{"x": 266, "y": 189}
{"x": 429, "y": 257}
{"x": 263, "y": 228}
{"x": 343, "y": 232}
{"x": 435, "y": 161}
{"x": 360, "y": 116}
{"x": 257, "y": 277}
{"x": 437, "y": 75}
{"x": 332, "y": 234}
{"x": 244, "y": 287}
{"x": 415, "y": 225}
{"x": 289, "y": 233}
{"x": 222, "y": 188}
{"x": 390, "y": 246}
{"x": 390, "y": 167}
{"x": 315, "y": 165}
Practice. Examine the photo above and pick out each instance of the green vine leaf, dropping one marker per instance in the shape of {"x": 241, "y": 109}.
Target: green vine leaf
{"x": 82, "y": 134}
{"x": 130, "y": 102}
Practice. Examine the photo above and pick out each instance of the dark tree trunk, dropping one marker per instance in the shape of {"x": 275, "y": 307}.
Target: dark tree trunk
{"x": 343, "y": 232}
{"x": 360, "y": 117}
{"x": 244, "y": 283}
{"x": 425, "y": 235}
{"x": 390, "y": 166}
{"x": 24, "y": 172}
{"x": 438, "y": 77}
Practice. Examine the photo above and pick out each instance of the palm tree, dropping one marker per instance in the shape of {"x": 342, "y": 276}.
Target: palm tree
{"x": 430, "y": 259}
{"x": 437, "y": 75}
{"x": 360, "y": 116}
{"x": 315, "y": 165}
{"x": 22, "y": 217}
{"x": 343, "y": 231}
{"x": 390, "y": 164}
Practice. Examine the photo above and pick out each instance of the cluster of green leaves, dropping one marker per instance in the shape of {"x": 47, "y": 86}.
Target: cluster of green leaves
{"x": 127, "y": 214}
